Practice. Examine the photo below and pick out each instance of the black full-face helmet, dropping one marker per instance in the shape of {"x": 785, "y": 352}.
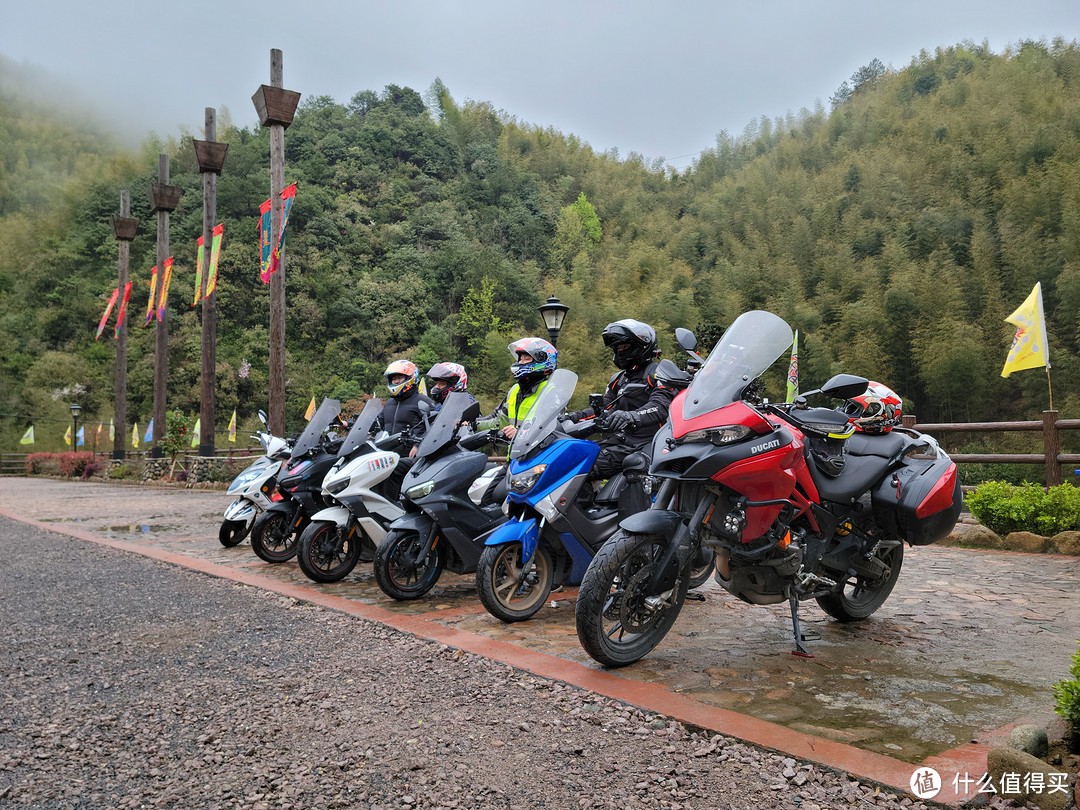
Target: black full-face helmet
{"x": 632, "y": 343}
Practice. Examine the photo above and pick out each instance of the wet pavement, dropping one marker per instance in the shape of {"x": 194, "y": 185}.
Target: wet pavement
{"x": 967, "y": 646}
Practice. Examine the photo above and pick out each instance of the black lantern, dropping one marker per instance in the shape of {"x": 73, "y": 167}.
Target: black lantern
{"x": 75, "y": 411}
{"x": 553, "y": 313}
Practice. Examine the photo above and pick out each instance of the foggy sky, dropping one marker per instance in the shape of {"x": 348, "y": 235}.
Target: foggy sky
{"x": 659, "y": 79}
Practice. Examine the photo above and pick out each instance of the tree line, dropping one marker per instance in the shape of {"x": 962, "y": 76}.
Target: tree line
{"x": 895, "y": 229}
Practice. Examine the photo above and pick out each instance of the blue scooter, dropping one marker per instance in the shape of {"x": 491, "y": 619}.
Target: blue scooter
{"x": 556, "y": 520}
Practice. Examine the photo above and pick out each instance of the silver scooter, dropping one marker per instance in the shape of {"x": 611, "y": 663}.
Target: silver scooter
{"x": 254, "y": 488}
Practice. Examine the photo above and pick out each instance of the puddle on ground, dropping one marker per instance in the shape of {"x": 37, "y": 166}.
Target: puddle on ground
{"x": 138, "y": 528}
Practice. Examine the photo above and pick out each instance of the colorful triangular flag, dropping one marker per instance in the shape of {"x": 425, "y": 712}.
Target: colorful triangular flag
{"x": 232, "y": 427}
{"x": 149, "y": 436}
{"x": 310, "y": 412}
{"x": 1029, "y": 349}
{"x": 67, "y": 436}
{"x": 793, "y": 370}
{"x": 28, "y": 437}
{"x": 112, "y": 431}
{"x": 135, "y": 435}
{"x": 80, "y": 437}
{"x": 195, "y": 431}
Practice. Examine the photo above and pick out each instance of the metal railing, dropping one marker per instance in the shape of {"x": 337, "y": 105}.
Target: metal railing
{"x": 1050, "y": 426}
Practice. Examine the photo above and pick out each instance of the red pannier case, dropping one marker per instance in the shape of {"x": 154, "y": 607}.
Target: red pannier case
{"x": 920, "y": 502}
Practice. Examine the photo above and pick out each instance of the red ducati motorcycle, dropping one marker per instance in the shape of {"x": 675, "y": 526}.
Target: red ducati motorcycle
{"x": 795, "y": 504}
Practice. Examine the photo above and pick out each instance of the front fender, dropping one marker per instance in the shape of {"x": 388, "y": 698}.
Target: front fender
{"x": 653, "y": 521}
{"x": 412, "y": 522}
{"x": 332, "y": 514}
{"x": 241, "y": 509}
{"x": 514, "y": 530}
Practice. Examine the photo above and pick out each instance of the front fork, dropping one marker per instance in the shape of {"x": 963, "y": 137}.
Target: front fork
{"x": 680, "y": 550}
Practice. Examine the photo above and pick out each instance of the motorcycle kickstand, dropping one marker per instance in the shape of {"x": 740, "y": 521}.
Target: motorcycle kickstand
{"x": 800, "y": 649}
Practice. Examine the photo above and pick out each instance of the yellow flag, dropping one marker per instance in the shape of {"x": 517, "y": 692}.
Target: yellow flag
{"x": 310, "y": 412}
{"x": 112, "y": 430}
{"x": 232, "y": 427}
{"x": 67, "y": 436}
{"x": 1029, "y": 349}
{"x": 28, "y": 437}
{"x": 196, "y": 432}
{"x": 135, "y": 436}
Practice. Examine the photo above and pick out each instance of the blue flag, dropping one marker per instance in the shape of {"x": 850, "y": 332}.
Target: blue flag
{"x": 149, "y": 437}
{"x": 79, "y": 438}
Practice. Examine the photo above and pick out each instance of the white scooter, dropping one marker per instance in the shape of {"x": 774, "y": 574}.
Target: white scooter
{"x": 253, "y": 488}
{"x": 342, "y": 535}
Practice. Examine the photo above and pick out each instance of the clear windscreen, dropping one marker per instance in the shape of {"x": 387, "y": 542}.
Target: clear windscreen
{"x": 444, "y": 429}
{"x": 543, "y": 418}
{"x": 358, "y": 433}
{"x": 749, "y": 346}
{"x": 326, "y": 413}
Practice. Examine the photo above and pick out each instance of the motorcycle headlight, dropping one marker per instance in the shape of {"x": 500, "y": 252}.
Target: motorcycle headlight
{"x": 524, "y": 481}
{"x": 718, "y": 436}
{"x": 335, "y": 487}
{"x": 420, "y": 491}
{"x": 244, "y": 479}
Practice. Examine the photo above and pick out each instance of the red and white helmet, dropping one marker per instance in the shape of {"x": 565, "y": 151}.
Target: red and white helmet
{"x": 878, "y": 410}
{"x": 453, "y": 374}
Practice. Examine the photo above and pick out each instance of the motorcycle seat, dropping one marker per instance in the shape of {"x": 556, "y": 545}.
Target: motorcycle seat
{"x": 884, "y": 445}
{"x": 860, "y": 473}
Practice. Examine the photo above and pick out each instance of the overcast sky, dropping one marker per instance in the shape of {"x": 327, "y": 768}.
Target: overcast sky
{"x": 658, "y": 78}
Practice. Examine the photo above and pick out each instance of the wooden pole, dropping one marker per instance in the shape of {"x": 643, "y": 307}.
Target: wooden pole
{"x": 209, "y": 311}
{"x": 123, "y": 239}
{"x": 161, "y": 345}
{"x": 1051, "y": 448}
{"x": 277, "y": 280}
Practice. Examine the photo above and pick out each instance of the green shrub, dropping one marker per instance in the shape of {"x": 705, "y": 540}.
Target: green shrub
{"x": 1005, "y": 508}
{"x": 1067, "y": 694}
{"x": 121, "y": 472}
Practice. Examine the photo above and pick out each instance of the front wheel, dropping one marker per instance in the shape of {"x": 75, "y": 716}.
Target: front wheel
{"x": 399, "y": 572}
{"x": 859, "y": 598}
{"x": 273, "y": 537}
{"x": 618, "y": 620}
{"x": 232, "y": 532}
{"x": 511, "y": 590}
{"x": 327, "y": 552}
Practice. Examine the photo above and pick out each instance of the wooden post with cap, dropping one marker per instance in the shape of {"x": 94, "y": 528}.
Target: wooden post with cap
{"x": 276, "y": 108}
{"x": 163, "y": 200}
{"x": 123, "y": 228}
{"x": 211, "y": 157}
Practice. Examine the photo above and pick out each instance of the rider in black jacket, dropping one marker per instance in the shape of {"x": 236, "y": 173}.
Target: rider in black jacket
{"x": 406, "y": 410}
{"x": 639, "y": 412}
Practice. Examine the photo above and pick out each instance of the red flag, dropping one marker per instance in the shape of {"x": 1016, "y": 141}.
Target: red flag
{"x": 153, "y": 295}
{"x": 108, "y": 310}
{"x": 123, "y": 310}
{"x": 215, "y": 254}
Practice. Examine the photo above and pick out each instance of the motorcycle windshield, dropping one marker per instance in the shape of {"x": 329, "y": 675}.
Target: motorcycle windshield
{"x": 319, "y": 423}
{"x": 543, "y": 418}
{"x": 443, "y": 430}
{"x": 749, "y": 346}
{"x": 358, "y": 434}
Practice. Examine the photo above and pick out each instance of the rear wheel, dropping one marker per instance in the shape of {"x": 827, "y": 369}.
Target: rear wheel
{"x": 273, "y": 538}
{"x": 618, "y": 621}
{"x": 232, "y": 532}
{"x": 510, "y": 589}
{"x": 398, "y": 571}
{"x": 327, "y": 552}
{"x": 861, "y": 596}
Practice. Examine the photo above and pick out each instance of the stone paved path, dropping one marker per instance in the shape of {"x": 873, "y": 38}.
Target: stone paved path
{"x": 969, "y": 644}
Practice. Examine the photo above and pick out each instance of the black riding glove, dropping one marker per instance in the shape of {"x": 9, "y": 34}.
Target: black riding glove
{"x": 620, "y": 420}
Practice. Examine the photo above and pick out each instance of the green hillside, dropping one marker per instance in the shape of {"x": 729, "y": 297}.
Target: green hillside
{"x": 895, "y": 231}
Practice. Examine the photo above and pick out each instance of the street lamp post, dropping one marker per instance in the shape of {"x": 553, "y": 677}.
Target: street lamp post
{"x": 553, "y": 312}
{"x": 75, "y": 411}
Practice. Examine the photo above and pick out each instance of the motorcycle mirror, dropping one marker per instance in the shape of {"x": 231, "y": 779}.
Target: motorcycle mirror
{"x": 671, "y": 373}
{"x": 596, "y": 402}
{"x": 262, "y": 417}
{"x": 471, "y": 412}
{"x": 844, "y": 386}
{"x": 686, "y": 339}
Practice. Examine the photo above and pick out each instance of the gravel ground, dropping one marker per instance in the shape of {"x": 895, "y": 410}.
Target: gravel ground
{"x": 129, "y": 683}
